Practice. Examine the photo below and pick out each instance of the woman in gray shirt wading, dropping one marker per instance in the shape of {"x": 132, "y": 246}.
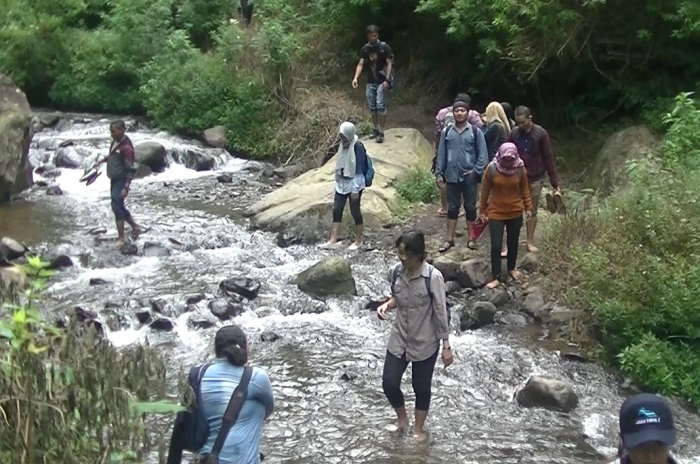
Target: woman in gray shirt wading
{"x": 418, "y": 294}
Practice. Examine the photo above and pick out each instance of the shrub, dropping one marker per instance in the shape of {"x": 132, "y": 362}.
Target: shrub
{"x": 74, "y": 398}
{"x": 633, "y": 263}
{"x": 417, "y": 185}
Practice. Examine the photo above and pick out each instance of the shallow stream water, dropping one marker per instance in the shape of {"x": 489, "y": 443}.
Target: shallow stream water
{"x": 320, "y": 418}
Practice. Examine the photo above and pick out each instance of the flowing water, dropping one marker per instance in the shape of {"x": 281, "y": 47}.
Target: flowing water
{"x": 319, "y": 416}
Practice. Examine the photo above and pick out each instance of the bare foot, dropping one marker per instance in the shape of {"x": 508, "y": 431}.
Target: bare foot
{"x": 355, "y": 246}
{"x": 532, "y": 248}
{"x": 441, "y": 212}
{"x": 330, "y": 245}
{"x": 118, "y": 243}
{"x": 137, "y": 230}
{"x": 515, "y": 274}
{"x": 420, "y": 435}
{"x": 504, "y": 253}
{"x": 493, "y": 284}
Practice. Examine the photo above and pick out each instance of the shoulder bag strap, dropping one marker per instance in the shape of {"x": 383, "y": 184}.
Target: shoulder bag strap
{"x": 232, "y": 411}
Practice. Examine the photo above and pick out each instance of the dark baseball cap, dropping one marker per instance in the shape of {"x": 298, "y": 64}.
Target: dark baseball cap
{"x": 646, "y": 418}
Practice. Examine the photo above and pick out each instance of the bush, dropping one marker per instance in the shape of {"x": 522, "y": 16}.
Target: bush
{"x": 417, "y": 185}
{"x": 633, "y": 263}
{"x": 73, "y": 397}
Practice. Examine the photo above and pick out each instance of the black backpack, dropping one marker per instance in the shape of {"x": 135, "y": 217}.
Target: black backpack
{"x": 395, "y": 275}
{"x": 392, "y": 78}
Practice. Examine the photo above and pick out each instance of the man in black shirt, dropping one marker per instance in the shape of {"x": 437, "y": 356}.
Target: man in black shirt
{"x": 378, "y": 56}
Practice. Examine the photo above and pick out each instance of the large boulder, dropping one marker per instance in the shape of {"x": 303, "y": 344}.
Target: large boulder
{"x": 303, "y": 205}
{"x": 547, "y": 393}
{"x": 15, "y": 136}
{"x": 151, "y": 154}
{"x": 608, "y": 171}
{"x": 216, "y": 137}
{"x": 330, "y": 276}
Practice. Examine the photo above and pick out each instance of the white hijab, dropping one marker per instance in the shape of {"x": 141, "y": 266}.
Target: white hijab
{"x": 346, "y": 162}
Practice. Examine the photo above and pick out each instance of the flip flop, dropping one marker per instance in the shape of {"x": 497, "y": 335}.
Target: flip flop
{"x": 446, "y": 246}
{"x": 551, "y": 206}
{"x": 559, "y": 203}
{"x": 143, "y": 231}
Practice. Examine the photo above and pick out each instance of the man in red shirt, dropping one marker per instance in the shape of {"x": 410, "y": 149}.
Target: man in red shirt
{"x": 535, "y": 150}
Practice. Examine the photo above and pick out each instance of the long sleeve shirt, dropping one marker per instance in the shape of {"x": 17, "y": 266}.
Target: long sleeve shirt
{"x": 460, "y": 152}
{"x": 535, "y": 150}
{"x": 243, "y": 443}
{"x": 421, "y": 321}
{"x": 504, "y": 197}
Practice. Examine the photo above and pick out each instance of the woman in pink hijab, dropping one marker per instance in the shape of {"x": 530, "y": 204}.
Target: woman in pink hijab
{"x": 505, "y": 196}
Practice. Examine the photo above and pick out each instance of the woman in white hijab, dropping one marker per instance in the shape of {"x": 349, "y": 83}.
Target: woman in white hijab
{"x": 350, "y": 168}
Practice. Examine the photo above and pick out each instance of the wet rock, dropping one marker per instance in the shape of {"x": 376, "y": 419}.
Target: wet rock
{"x": 348, "y": 375}
{"x": 269, "y": 336}
{"x": 143, "y": 315}
{"x": 243, "y": 286}
{"x": 10, "y": 276}
{"x": 372, "y": 305}
{"x": 129, "y": 249}
{"x": 66, "y": 143}
{"x": 534, "y": 305}
{"x": 98, "y": 281}
{"x": 60, "y": 262}
{"x": 285, "y": 172}
{"x": 224, "y": 178}
{"x": 194, "y": 298}
{"x": 190, "y": 308}
{"x": 201, "y": 321}
{"x": 142, "y": 171}
{"x": 48, "y": 171}
{"x": 474, "y": 273}
{"x": 330, "y": 276}
{"x": 115, "y": 321}
{"x": 452, "y": 286}
{"x": 497, "y": 296}
{"x": 88, "y": 319}
{"x": 11, "y": 249}
{"x": 49, "y": 119}
{"x": 575, "y": 357}
{"x": 530, "y": 263}
{"x": 564, "y": 315}
{"x": 197, "y": 160}
{"x": 484, "y": 313}
{"x": 69, "y": 157}
{"x": 175, "y": 241}
{"x": 15, "y": 136}
{"x": 513, "y": 319}
{"x": 97, "y": 231}
{"x": 152, "y": 249}
{"x": 216, "y": 137}
{"x": 151, "y": 154}
{"x": 41, "y": 184}
{"x": 284, "y": 240}
{"x": 224, "y": 309}
{"x": 447, "y": 266}
{"x": 162, "y": 324}
{"x": 548, "y": 393}
{"x": 54, "y": 191}
{"x": 160, "y": 305}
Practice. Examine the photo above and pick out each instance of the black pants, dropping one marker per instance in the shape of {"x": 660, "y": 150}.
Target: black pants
{"x": 421, "y": 379}
{"x": 339, "y": 205}
{"x": 466, "y": 190}
{"x": 512, "y": 228}
{"x": 247, "y": 12}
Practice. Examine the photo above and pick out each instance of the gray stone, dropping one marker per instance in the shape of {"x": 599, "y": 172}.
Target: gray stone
{"x": 548, "y": 393}
{"x": 330, "y": 276}
{"x": 16, "y": 172}
{"x": 474, "y": 273}
{"x": 534, "y": 305}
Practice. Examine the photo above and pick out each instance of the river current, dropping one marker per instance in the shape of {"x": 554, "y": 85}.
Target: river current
{"x": 320, "y": 417}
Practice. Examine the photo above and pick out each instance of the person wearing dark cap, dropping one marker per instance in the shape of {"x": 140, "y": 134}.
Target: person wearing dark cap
{"x": 462, "y": 156}
{"x": 218, "y": 383}
{"x": 647, "y": 431}
{"x": 443, "y": 119}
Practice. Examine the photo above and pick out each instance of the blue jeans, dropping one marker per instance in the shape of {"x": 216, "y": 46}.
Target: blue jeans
{"x": 376, "y": 99}
{"x": 466, "y": 189}
{"x": 118, "y": 205}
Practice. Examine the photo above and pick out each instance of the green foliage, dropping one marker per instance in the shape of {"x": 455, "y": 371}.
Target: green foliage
{"x": 67, "y": 393}
{"x": 417, "y": 185}
{"x": 634, "y": 263}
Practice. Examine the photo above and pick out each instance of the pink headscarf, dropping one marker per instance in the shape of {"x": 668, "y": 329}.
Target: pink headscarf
{"x": 508, "y": 150}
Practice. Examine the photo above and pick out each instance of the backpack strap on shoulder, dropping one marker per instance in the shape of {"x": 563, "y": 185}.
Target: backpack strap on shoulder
{"x": 492, "y": 170}
{"x": 395, "y": 275}
{"x": 431, "y": 268}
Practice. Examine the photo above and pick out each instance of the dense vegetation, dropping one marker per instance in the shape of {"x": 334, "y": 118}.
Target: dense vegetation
{"x": 633, "y": 262}
{"x": 68, "y": 396}
{"x": 186, "y": 65}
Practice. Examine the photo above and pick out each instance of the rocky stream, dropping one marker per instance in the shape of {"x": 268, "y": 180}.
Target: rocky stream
{"x": 324, "y": 355}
